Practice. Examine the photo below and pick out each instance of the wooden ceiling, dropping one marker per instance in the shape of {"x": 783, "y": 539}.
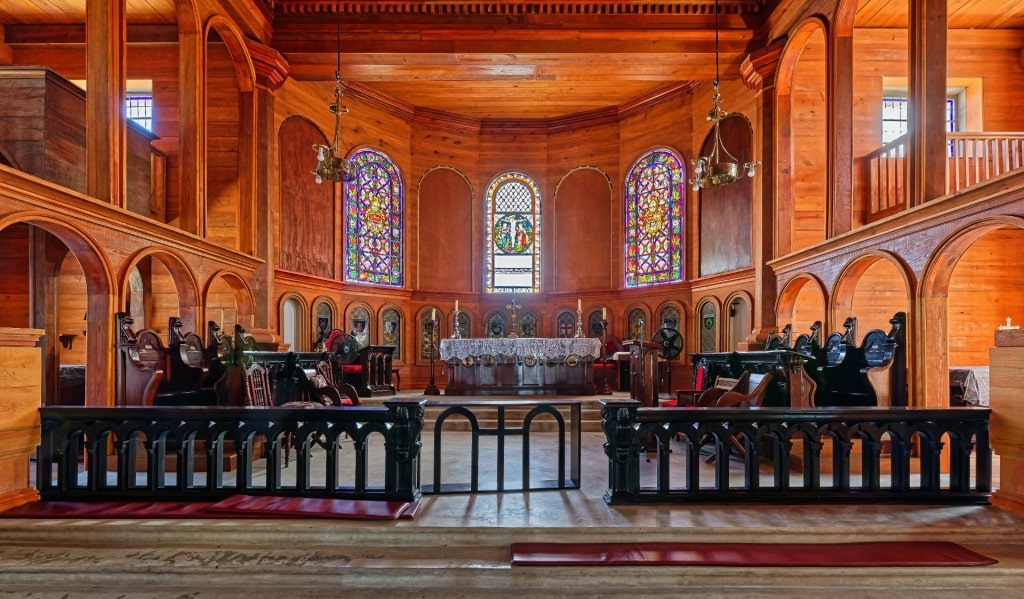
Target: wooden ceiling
{"x": 500, "y": 60}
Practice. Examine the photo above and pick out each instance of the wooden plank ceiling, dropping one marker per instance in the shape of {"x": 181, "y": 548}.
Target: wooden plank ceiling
{"x": 500, "y": 60}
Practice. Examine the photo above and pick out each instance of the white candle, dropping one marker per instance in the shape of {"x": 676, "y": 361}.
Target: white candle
{"x": 604, "y": 313}
{"x": 222, "y": 317}
{"x": 456, "y": 305}
{"x": 579, "y": 305}
{"x": 433, "y": 314}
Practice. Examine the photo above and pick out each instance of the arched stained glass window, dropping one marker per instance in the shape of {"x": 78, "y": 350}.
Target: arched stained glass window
{"x": 654, "y": 220}
{"x": 373, "y": 221}
{"x": 513, "y": 235}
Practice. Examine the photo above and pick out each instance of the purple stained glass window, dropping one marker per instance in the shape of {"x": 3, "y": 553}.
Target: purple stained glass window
{"x": 654, "y": 220}
{"x": 373, "y": 221}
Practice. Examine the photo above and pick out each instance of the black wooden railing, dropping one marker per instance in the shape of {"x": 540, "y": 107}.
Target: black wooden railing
{"x": 140, "y": 440}
{"x": 943, "y": 446}
{"x": 510, "y": 422}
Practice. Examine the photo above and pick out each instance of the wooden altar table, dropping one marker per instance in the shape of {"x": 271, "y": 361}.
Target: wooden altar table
{"x": 521, "y": 366}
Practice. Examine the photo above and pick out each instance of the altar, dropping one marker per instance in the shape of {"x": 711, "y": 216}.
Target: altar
{"x": 520, "y": 366}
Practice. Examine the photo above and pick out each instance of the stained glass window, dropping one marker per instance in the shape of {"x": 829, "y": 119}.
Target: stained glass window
{"x": 513, "y": 235}
{"x": 373, "y": 221}
{"x": 654, "y": 220}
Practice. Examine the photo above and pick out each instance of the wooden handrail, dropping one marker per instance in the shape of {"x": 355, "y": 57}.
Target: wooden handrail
{"x": 972, "y": 158}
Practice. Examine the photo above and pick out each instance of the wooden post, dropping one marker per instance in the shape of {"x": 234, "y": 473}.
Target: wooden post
{"x": 105, "y": 126}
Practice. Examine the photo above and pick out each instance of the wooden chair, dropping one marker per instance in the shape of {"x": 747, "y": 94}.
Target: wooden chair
{"x": 752, "y": 397}
{"x": 723, "y": 385}
{"x": 349, "y": 395}
{"x": 258, "y": 394}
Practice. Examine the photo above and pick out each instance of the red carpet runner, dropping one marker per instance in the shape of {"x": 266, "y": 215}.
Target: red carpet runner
{"x": 747, "y": 554}
{"x": 236, "y": 506}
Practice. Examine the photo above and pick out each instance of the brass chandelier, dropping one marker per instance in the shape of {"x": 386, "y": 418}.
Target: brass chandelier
{"x": 329, "y": 164}
{"x": 712, "y": 170}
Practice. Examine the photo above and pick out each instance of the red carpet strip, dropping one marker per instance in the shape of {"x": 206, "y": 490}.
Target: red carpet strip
{"x": 236, "y": 506}
{"x": 831, "y": 555}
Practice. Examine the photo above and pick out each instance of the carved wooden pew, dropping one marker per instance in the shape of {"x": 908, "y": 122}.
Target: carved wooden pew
{"x": 870, "y": 374}
{"x": 886, "y": 355}
{"x": 138, "y": 370}
{"x": 180, "y": 382}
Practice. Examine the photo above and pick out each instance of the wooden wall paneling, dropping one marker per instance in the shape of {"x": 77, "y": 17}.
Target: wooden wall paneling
{"x": 582, "y": 161}
{"x": 14, "y": 276}
{"x": 880, "y": 293}
{"x": 444, "y": 161}
{"x": 580, "y": 248}
{"x": 164, "y": 300}
{"x": 809, "y": 111}
{"x": 72, "y": 311}
{"x": 222, "y": 147}
{"x": 725, "y": 212}
{"x": 306, "y": 217}
{"x": 984, "y": 290}
{"x": 808, "y": 308}
{"x": 446, "y": 254}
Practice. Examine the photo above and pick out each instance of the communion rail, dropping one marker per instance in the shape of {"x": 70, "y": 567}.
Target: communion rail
{"x": 125, "y": 452}
{"x": 932, "y": 455}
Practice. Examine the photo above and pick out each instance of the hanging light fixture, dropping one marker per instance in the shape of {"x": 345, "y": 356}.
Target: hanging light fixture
{"x": 719, "y": 167}
{"x": 329, "y": 164}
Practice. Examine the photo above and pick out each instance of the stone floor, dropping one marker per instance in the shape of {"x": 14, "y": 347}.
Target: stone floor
{"x": 458, "y": 546}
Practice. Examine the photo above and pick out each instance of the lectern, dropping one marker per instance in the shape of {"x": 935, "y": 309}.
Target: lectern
{"x": 643, "y": 371}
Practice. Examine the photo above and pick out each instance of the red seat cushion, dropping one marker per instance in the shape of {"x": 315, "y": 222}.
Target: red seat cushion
{"x": 352, "y": 368}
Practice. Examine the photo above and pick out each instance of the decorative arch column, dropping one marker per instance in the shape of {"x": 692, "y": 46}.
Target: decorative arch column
{"x": 759, "y": 70}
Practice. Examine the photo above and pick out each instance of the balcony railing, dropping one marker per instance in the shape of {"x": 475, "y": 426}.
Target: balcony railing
{"x": 972, "y": 158}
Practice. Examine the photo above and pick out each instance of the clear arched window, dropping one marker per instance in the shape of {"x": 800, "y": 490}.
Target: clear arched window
{"x": 373, "y": 221}
{"x": 654, "y": 219}
{"x": 513, "y": 235}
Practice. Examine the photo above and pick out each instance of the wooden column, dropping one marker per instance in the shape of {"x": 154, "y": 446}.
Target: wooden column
{"x": 759, "y": 70}
{"x": 926, "y": 137}
{"x": 839, "y": 201}
{"x": 191, "y": 134}
{"x": 105, "y": 125}
{"x": 256, "y": 235}
{"x": 19, "y": 405}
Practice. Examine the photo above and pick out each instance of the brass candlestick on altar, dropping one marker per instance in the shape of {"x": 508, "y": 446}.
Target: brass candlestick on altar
{"x": 579, "y": 323}
{"x": 513, "y": 320}
{"x": 456, "y": 328}
{"x": 431, "y": 385}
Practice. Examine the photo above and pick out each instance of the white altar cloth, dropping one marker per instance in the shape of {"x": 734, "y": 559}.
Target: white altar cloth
{"x": 522, "y": 346}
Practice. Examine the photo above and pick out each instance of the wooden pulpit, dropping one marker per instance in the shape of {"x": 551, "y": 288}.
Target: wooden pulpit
{"x": 643, "y": 371}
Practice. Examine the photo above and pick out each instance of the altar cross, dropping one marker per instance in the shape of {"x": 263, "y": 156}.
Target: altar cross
{"x": 514, "y": 320}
